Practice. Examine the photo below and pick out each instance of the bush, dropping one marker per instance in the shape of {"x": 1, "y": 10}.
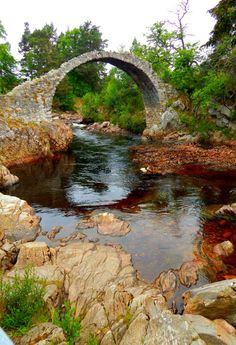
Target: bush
{"x": 68, "y": 322}
{"x": 21, "y": 300}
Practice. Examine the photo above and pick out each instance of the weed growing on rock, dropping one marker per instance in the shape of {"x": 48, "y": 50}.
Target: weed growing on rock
{"x": 21, "y": 301}
{"x": 66, "y": 319}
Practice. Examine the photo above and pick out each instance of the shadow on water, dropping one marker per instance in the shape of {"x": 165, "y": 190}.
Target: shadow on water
{"x": 164, "y": 212}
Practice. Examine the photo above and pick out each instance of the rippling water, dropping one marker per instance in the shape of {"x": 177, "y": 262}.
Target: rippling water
{"x": 164, "y": 212}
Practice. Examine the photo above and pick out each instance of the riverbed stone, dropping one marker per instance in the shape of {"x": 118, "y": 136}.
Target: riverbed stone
{"x": 225, "y": 248}
{"x": 216, "y": 300}
{"x": 44, "y": 334}
{"x": 17, "y": 218}
{"x": 106, "y": 224}
{"x": 6, "y": 178}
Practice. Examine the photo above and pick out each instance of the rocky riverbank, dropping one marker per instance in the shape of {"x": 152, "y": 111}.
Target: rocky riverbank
{"x": 186, "y": 159}
{"x": 25, "y": 142}
{"x": 113, "y": 302}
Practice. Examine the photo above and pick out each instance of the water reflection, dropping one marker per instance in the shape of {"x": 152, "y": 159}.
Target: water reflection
{"x": 164, "y": 211}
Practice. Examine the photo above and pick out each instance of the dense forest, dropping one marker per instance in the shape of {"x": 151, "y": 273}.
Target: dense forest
{"x": 204, "y": 76}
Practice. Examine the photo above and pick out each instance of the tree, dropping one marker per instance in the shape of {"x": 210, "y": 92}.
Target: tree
{"x": 8, "y": 77}
{"x": 39, "y": 51}
{"x": 75, "y": 42}
{"x": 225, "y": 28}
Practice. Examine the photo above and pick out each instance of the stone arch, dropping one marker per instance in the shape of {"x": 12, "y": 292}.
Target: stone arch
{"x": 32, "y": 100}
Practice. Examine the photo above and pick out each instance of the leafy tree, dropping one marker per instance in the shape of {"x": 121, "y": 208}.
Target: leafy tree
{"x": 8, "y": 78}
{"x": 75, "y": 42}
{"x": 39, "y": 51}
{"x": 225, "y": 28}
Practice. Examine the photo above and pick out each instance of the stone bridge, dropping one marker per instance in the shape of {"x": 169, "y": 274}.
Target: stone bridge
{"x": 32, "y": 100}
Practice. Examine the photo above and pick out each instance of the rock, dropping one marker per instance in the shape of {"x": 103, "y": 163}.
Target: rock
{"x": 30, "y": 141}
{"x": 178, "y": 105}
{"x": 188, "y": 273}
{"x": 17, "y": 218}
{"x": 33, "y": 253}
{"x": 216, "y": 300}
{"x": 169, "y": 119}
{"x": 136, "y": 331}
{"x": 106, "y": 224}
{"x": 52, "y": 233}
{"x": 2, "y": 234}
{"x": 225, "y": 248}
{"x": 6, "y": 178}
{"x": 44, "y": 334}
{"x": 227, "y": 327}
{"x": 227, "y": 210}
{"x": 210, "y": 332}
{"x": 167, "y": 329}
{"x": 225, "y": 111}
{"x": 167, "y": 282}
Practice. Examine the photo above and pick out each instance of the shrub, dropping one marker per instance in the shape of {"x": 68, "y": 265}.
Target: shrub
{"x": 21, "y": 300}
{"x": 67, "y": 320}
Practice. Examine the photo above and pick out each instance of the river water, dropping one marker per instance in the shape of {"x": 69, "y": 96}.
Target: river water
{"x": 165, "y": 212}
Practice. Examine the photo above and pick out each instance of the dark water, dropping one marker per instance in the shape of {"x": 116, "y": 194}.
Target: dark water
{"x": 164, "y": 212}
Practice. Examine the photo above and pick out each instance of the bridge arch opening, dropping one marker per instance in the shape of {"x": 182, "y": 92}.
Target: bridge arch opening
{"x": 114, "y": 96}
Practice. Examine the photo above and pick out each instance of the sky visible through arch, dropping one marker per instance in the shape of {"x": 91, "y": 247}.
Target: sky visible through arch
{"x": 119, "y": 21}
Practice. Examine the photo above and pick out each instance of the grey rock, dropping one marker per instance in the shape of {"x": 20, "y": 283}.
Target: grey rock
{"x": 216, "y": 300}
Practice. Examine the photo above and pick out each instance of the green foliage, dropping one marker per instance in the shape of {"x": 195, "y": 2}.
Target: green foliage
{"x": 39, "y": 51}
{"x": 91, "y": 108}
{"x": 64, "y": 98}
{"x": 120, "y": 101}
{"x": 21, "y": 301}
{"x": 225, "y": 14}
{"x": 75, "y": 42}
{"x": 213, "y": 90}
{"x": 8, "y": 77}
{"x": 92, "y": 340}
{"x": 67, "y": 320}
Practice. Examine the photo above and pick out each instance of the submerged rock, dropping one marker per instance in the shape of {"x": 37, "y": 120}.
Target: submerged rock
{"x": 17, "y": 218}
{"x": 106, "y": 224}
{"x": 225, "y": 248}
{"x": 6, "y": 178}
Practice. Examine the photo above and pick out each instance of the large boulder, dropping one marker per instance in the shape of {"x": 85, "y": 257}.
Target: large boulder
{"x": 214, "y": 301}
{"x": 17, "y": 219}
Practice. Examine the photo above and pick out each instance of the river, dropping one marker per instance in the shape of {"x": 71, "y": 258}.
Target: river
{"x": 165, "y": 212}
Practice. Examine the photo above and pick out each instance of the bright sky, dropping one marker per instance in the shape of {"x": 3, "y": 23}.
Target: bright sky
{"x": 119, "y": 21}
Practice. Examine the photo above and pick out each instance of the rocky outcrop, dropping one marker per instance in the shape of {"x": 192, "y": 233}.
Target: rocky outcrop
{"x": 6, "y": 178}
{"x": 106, "y": 224}
{"x": 17, "y": 218}
{"x": 31, "y": 141}
{"x": 113, "y": 303}
{"x": 217, "y": 300}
